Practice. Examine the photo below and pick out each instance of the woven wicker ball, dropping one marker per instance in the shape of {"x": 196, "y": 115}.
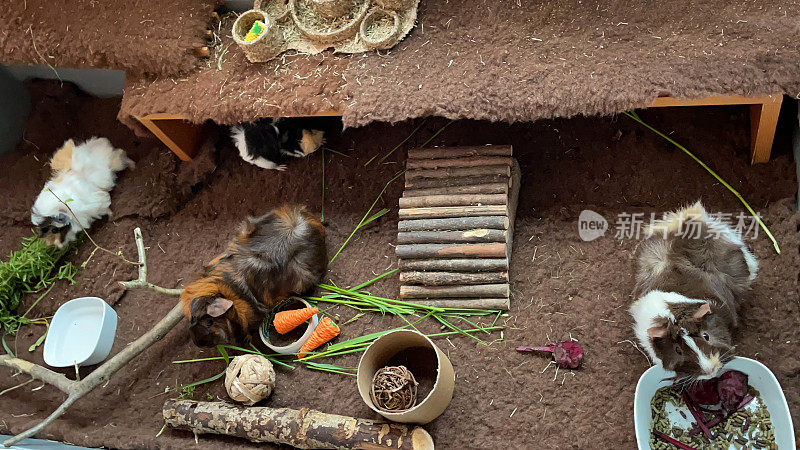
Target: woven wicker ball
{"x": 249, "y": 379}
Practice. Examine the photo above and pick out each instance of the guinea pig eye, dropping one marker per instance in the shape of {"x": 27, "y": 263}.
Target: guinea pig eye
{"x": 706, "y": 336}
{"x": 208, "y": 322}
{"x": 678, "y": 350}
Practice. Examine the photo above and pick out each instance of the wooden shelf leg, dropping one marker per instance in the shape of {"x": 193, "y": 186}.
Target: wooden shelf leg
{"x": 180, "y": 136}
{"x": 763, "y": 121}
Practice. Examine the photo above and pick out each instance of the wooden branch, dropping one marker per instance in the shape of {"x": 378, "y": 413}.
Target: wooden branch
{"x": 459, "y": 152}
{"x": 422, "y": 251}
{"x": 451, "y": 237}
{"x": 450, "y": 278}
{"x": 471, "y": 303}
{"x": 454, "y": 200}
{"x": 490, "y": 188}
{"x": 304, "y": 428}
{"x": 451, "y": 172}
{"x": 470, "y": 291}
{"x": 426, "y": 183}
{"x": 455, "y": 265}
{"x": 141, "y": 282}
{"x": 458, "y": 162}
{"x": 77, "y": 389}
{"x": 441, "y": 212}
{"x": 454, "y": 223}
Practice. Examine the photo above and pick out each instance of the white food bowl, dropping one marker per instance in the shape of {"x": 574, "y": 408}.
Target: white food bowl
{"x": 294, "y": 347}
{"x": 82, "y": 333}
{"x": 759, "y": 377}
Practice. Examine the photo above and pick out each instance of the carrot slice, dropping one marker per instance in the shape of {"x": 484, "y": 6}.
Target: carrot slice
{"x": 286, "y": 321}
{"x": 325, "y": 331}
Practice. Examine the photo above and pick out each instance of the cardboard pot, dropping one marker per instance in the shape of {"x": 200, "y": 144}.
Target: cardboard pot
{"x": 381, "y": 352}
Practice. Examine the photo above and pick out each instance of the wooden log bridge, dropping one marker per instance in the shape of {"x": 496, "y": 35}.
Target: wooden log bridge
{"x": 456, "y": 226}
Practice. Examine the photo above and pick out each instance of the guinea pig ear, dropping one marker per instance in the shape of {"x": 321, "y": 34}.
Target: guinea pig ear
{"x": 218, "y": 307}
{"x": 702, "y": 311}
{"x": 657, "y": 332}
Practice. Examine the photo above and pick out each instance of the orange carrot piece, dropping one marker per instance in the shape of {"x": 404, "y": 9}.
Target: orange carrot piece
{"x": 286, "y": 321}
{"x": 325, "y": 331}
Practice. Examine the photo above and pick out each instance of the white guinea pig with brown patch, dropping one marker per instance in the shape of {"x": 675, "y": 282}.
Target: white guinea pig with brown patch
{"x": 693, "y": 272}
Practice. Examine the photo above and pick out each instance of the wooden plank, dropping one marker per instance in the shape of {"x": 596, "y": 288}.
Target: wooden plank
{"x": 454, "y": 223}
{"x": 468, "y": 291}
{"x": 451, "y": 278}
{"x": 452, "y": 172}
{"x": 440, "y": 212}
{"x": 455, "y": 265}
{"x": 180, "y": 136}
{"x": 451, "y": 237}
{"x": 660, "y": 102}
{"x": 460, "y": 152}
{"x": 490, "y": 188}
{"x": 469, "y": 303}
{"x": 446, "y": 251}
{"x": 454, "y": 200}
{"x": 426, "y": 183}
{"x": 477, "y": 161}
{"x": 763, "y": 123}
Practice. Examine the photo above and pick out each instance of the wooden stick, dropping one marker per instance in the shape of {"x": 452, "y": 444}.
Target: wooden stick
{"x": 441, "y": 212}
{"x": 454, "y": 223}
{"x": 77, "y": 389}
{"x": 451, "y": 237}
{"x": 460, "y": 152}
{"x": 458, "y": 162}
{"x": 469, "y": 303}
{"x": 454, "y": 200}
{"x": 451, "y": 172}
{"x": 450, "y": 278}
{"x": 470, "y": 291}
{"x": 426, "y": 183}
{"x": 491, "y": 188}
{"x": 141, "y": 282}
{"x": 304, "y": 428}
{"x": 455, "y": 265}
{"x": 423, "y": 251}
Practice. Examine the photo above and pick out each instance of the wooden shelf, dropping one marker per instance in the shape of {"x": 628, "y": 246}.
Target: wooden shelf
{"x": 183, "y": 137}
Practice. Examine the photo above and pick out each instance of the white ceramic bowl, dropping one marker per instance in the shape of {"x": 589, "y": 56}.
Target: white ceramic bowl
{"x": 294, "y": 347}
{"x": 82, "y": 333}
{"x": 759, "y": 376}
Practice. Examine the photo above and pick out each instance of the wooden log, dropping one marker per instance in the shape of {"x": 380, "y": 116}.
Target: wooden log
{"x": 451, "y": 278}
{"x": 422, "y": 251}
{"x": 425, "y": 183}
{"x": 458, "y": 162}
{"x": 469, "y": 303}
{"x": 470, "y": 291}
{"x": 451, "y": 237}
{"x": 304, "y": 428}
{"x": 454, "y": 223}
{"x": 460, "y": 152}
{"x": 454, "y": 200}
{"x": 441, "y": 212}
{"x": 450, "y": 172}
{"x": 491, "y": 188}
{"x": 455, "y": 265}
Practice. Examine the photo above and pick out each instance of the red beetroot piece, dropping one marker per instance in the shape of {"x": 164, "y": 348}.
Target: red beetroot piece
{"x": 567, "y": 354}
{"x": 704, "y": 392}
{"x": 732, "y": 388}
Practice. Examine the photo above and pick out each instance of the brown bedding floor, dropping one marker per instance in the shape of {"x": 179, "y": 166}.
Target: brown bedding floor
{"x": 503, "y": 60}
{"x": 562, "y": 286}
{"x": 137, "y": 36}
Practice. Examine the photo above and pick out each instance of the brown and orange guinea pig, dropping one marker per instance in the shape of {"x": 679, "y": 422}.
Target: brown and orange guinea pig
{"x": 274, "y": 256}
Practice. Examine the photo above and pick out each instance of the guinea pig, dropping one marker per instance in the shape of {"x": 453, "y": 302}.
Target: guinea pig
{"x": 693, "y": 272}
{"x": 273, "y": 256}
{"x": 272, "y": 143}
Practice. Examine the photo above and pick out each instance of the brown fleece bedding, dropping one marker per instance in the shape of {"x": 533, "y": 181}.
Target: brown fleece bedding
{"x": 561, "y": 285}
{"x": 507, "y": 61}
{"x": 137, "y": 36}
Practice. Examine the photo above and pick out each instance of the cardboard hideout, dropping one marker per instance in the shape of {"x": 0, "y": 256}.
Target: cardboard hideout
{"x": 389, "y": 345}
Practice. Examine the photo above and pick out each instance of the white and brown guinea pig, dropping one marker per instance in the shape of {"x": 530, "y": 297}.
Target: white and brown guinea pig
{"x": 273, "y": 256}
{"x": 693, "y": 272}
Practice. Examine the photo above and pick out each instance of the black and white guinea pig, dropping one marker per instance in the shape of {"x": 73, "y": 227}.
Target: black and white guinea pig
{"x": 693, "y": 272}
{"x": 270, "y": 143}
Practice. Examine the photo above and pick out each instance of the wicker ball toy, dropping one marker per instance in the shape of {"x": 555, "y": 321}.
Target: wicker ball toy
{"x": 249, "y": 379}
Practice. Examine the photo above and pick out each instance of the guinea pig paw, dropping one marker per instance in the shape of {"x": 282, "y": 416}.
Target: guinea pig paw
{"x": 281, "y": 168}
